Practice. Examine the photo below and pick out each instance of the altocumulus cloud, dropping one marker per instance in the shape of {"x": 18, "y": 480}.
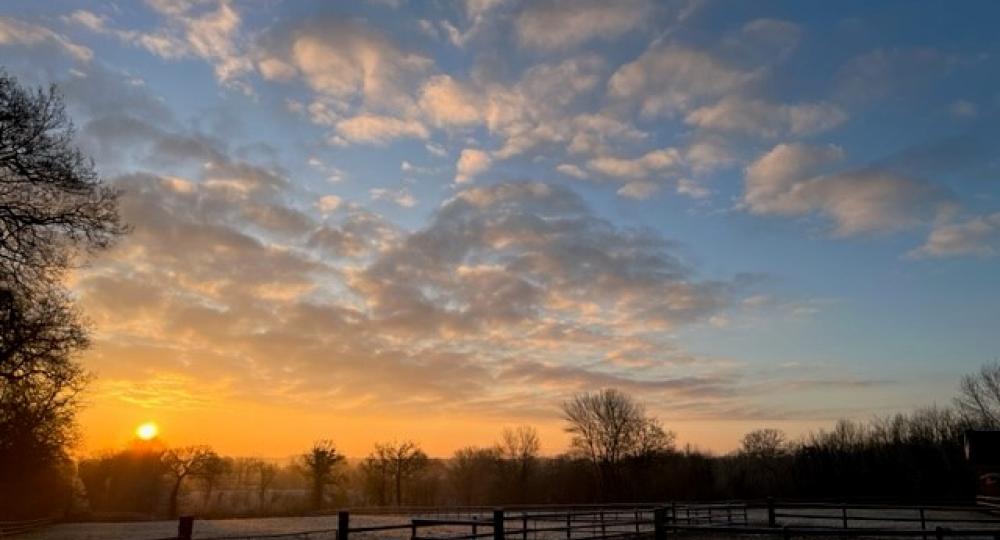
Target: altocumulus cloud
{"x": 506, "y": 290}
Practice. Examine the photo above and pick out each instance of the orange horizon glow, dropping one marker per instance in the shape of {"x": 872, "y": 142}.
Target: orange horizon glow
{"x": 279, "y": 432}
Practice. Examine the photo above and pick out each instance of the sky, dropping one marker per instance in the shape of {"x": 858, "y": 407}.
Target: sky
{"x": 372, "y": 221}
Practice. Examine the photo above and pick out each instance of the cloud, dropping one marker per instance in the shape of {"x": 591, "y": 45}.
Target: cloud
{"x": 690, "y": 188}
{"x": 637, "y": 168}
{"x": 501, "y": 255}
{"x": 597, "y": 133}
{"x": 88, "y": 19}
{"x": 978, "y": 236}
{"x": 477, "y": 12}
{"x": 345, "y": 61}
{"x": 963, "y": 109}
{"x": 374, "y": 129}
{"x": 572, "y": 170}
{"x": 707, "y": 155}
{"x": 758, "y": 117}
{"x": 471, "y": 162}
{"x": 448, "y": 103}
{"x": 669, "y": 78}
{"x": 503, "y": 284}
{"x": 189, "y": 30}
{"x": 641, "y": 189}
{"x": 788, "y": 180}
{"x": 764, "y": 41}
{"x": 328, "y": 203}
{"x": 401, "y": 197}
{"x": 560, "y": 24}
{"x": 15, "y": 31}
{"x": 533, "y": 111}
{"x": 878, "y": 73}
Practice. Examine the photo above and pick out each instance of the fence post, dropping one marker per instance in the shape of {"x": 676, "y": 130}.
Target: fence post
{"x": 939, "y": 532}
{"x": 604, "y": 531}
{"x": 923, "y": 522}
{"x": 659, "y": 523}
{"x": 569, "y": 524}
{"x": 343, "y": 524}
{"x": 524, "y": 526}
{"x": 771, "y": 522}
{"x": 185, "y": 527}
{"x": 843, "y": 511}
{"x": 637, "y": 522}
{"x": 498, "y": 524}
{"x": 673, "y": 512}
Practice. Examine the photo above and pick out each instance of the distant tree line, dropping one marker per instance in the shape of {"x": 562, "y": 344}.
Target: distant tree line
{"x": 617, "y": 453}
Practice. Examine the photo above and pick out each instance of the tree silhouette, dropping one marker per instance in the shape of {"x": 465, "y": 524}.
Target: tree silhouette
{"x": 763, "y": 443}
{"x": 979, "y": 399}
{"x": 210, "y": 472}
{"x": 319, "y": 466}
{"x": 53, "y": 209}
{"x": 393, "y": 461}
{"x": 519, "y": 448}
{"x": 473, "y": 475}
{"x": 609, "y": 426}
{"x": 185, "y": 462}
{"x": 266, "y": 473}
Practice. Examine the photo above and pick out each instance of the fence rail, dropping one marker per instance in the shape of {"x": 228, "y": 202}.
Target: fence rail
{"x": 658, "y": 521}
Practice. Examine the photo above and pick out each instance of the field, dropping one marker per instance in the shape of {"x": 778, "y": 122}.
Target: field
{"x": 322, "y": 527}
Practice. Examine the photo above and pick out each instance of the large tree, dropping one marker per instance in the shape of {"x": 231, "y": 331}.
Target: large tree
{"x": 519, "y": 448}
{"x": 319, "y": 465}
{"x": 182, "y": 463}
{"x": 393, "y": 462}
{"x": 609, "y": 427}
{"x": 764, "y": 443}
{"x": 979, "y": 400}
{"x": 54, "y": 210}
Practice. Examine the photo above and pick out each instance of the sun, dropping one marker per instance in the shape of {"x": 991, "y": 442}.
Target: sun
{"x": 147, "y": 431}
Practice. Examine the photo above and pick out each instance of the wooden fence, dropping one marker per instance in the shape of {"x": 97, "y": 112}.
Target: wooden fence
{"x": 783, "y": 519}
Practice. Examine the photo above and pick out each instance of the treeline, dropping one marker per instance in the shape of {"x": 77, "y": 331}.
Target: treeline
{"x": 618, "y": 453}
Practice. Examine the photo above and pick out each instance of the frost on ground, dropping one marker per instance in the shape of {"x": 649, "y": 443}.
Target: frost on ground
{"x": 152, "y": 530}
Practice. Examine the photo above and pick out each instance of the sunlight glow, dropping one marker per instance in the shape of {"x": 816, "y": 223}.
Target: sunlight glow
{"x": 147, "y": 431}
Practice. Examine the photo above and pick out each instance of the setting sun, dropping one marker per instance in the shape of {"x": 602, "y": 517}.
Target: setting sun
{"x": 147, "y": 431}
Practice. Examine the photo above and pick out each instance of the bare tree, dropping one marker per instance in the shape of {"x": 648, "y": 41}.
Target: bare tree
{"x": 319, "y": 465}
{"x": 53, "y": 205}
{"x": 763, "y": 443}
{"x": 210, "y": 472}
{"x": 609, "y": 426}
{"x": 393, "y": 461}
{"x": 266, "y": 473}
{"x": 185, "y": 462}
{"x": 53, "y": 209}
{"x": 472, "y": 473}
{"x": 519, "y": 448}
{"x": 979, "y": 400}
